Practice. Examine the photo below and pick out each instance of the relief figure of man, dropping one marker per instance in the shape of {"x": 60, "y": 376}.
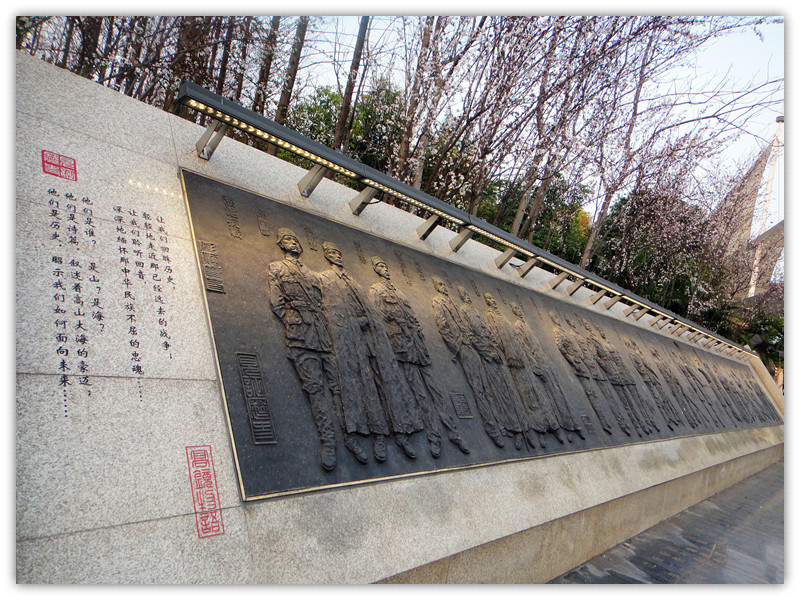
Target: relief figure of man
{"x": 704, "y": 399}
{"x": 541, "y": 411}
{"x": 508, "y": 405}
{"x": 618, "y": 376}
{"x": 457, "y": 338}
{"x": 567, "y": 344}
{"x": 295, "y": 297}
{"x": 665, "y": 406}
{"x": 375, "y": 398}
{"x": 408, "y": 344}
{"x": 690, "y": 409}
{"x": 714, "y": 388}
{"x": 536, "y": 362}
{"x": 593, "y": 359}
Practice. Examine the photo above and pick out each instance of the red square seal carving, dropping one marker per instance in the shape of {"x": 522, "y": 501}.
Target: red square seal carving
{"x": 205, "y": 495}
{"x": 58, "y": 165}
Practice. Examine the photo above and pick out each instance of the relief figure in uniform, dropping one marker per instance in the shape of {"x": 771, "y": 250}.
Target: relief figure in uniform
{"x": 567, "y": 344}
{"x": 408, "y": 344}
{"x": 457, "y": 338}
{"x": 541, "y": 412}
{"x": 594, "y": 358}
{"x": 690, "y": 409}
{"x": 704, "y": 400}
{"x": 537, "y": 363}
{"x": 508, "y": 405}
{"x": 296, "y": 298}
{"x": 638, "y": 410}
{"x": 375, "y": 400}
{"x": 664, "y": 403}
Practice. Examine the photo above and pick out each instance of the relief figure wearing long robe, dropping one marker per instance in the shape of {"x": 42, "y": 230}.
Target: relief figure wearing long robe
{"x": 375, "y": 399}
{"x": 591, "y": 355}
{"x": 531, "y": 390}
{"x": 456, "y": 337}
{"x": 691, "y": 410}
{"x": 408, "y": 344}
{"x": 663, "y": 401}
{"x": 704, "y": 399}
{"x": 715, "y": 387}
{"x": 508, "y": 405}
{"x": 536, "y": 362}
{"x": 638, "y": 411}
{"x": 567, "y": 344}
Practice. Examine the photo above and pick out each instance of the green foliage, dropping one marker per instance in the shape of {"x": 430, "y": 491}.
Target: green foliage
{"x": 377, "y": 127}
{"x": 562, "y": 225}
{"x": 376, "y": 124}
{"x": 315, "y": 116}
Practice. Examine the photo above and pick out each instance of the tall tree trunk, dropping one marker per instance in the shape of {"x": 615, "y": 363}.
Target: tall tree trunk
{"x": 62, "y": 62}
{"x": 226, "y": 50}
{"x": 527, "y": 184}
{"x": 260, "y": 98}
{"x": 413, "y": 98}
{"x": 123, "y": 70}
{"x": 108, "y": 50}
{"x": 215, "y": 35}
{"x": 90, "y": 28}
{"x": 351, "y": 83}
{"x": 189, "y": 61}
{"x": 541, "y": 193}
{"x": 242, "y": 67}
{"x": 291, "y": 75}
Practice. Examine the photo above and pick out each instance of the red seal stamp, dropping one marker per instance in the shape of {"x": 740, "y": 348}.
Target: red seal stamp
{"x": 58, "y": 165}
{"x": 205, "y": 494}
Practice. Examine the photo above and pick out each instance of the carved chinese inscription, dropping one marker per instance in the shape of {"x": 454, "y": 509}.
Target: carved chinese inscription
{"x": 256, "y": 398}
{"x": 461, "y": 406}
{"x": 263, "y": 223}
{"x": 232, "y": 217}
{"x": 146, "y": 272}
{"x": 109, "y": 269}
{"x": 364, "y": 374}
{"x": 212, "y": 269}
{"x": 78, "y": 289}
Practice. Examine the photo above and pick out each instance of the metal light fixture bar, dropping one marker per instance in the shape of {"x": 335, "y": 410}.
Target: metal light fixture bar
{"x": 233, "y": 115}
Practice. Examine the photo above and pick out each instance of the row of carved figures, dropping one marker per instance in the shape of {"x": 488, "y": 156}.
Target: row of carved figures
{"x": 365, "y": 369}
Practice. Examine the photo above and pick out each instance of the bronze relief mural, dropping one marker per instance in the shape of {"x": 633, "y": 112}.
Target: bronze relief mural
{"x": 336, "y": 372}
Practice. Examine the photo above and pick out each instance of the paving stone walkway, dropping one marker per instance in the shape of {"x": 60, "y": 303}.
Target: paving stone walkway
{"x": 733, "y": 537}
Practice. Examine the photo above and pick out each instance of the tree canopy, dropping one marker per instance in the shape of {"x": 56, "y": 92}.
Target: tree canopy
{"x": 580, "y": 134}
